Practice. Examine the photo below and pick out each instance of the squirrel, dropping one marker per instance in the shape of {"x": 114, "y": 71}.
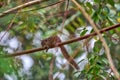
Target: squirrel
{"x": 53, "y": 41}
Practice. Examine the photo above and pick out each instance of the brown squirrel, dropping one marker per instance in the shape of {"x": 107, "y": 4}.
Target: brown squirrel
{"x": 54, "y": 41}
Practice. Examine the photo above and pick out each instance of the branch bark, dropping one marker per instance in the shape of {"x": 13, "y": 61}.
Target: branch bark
{"x": 63, "y": 43}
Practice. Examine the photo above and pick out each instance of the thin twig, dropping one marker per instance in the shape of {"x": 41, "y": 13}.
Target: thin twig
{"x": 53, "y": 4}
{"x": 9, "y": 26}
{"x": 63, "y": 43}
{"x": 65, "y": 15}
{"x": 107, "y": 51}
{"x": 21, "y": 7}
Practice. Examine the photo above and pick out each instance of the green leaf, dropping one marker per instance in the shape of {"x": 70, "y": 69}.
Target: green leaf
{"x": 83, "y": 32}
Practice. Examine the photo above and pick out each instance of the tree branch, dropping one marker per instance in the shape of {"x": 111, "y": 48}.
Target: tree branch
{"x": 63, "y": 43}
{"x": 53, "y": 4}
{"x": 21, "y": 7}
{"x": 107, "y": 51}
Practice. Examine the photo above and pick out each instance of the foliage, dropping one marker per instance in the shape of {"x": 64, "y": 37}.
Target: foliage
{"x": 36, "y": 22}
